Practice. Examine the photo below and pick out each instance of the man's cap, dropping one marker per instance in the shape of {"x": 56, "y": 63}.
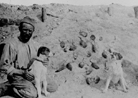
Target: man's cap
{"x": 28, "y": 20}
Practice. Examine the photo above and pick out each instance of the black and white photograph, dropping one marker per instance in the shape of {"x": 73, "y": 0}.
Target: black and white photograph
{"x": 68, "y": 48}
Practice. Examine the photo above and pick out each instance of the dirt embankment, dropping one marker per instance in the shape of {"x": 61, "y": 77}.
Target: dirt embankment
{"x": 114, "y": 26}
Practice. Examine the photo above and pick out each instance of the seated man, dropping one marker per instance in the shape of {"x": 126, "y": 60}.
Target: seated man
{"x": 16, "y": 54}
{"x": 15, "y": 57}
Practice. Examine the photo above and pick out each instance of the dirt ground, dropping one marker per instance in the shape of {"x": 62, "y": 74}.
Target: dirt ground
{"x": 117, "y": 25}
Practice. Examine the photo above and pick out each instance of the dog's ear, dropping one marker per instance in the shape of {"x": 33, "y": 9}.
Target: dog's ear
{"x": 120, "y": 56}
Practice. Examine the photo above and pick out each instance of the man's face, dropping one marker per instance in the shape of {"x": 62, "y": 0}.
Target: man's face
{"x": 26, "y": 32}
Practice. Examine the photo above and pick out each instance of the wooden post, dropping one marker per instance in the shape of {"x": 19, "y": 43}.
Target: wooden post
{"x": 43, "y": 14}
{"x": 110, "y": 11}
{"x": 136, "y": 11}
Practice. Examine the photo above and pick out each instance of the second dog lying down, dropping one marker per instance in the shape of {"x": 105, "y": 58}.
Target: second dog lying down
{"x": 115, "y": 73}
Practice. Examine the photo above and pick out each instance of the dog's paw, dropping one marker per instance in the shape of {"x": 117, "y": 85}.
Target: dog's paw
{"x": 127, "y": 88}
{"x": 125, "y": 91}
{"x": 40, "y": 97}
{"x": 104, "y": 91}
{"x": 47, "y": 94}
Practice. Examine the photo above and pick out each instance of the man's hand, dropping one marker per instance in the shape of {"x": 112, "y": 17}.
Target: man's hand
{"x": 17, "y": 71}
{"x": 10, "y": 69}
{"x": 23, "y": 68}
{"x": 28, "y": 76}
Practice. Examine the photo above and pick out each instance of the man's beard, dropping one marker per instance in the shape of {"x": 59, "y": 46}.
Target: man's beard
{"x": 24, "y": 38}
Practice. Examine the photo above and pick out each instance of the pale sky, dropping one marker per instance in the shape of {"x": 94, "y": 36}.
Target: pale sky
{"x": 73, "y": 2}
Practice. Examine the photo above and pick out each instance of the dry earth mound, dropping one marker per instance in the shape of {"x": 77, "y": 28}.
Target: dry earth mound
{"x": 67, "y": 30}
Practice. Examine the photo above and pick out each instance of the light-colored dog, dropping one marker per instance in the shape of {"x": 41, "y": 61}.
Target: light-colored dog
{"x": 115, "y": 73}
{"x": 37, "y": 68}
{"x": 40, "y": 72}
